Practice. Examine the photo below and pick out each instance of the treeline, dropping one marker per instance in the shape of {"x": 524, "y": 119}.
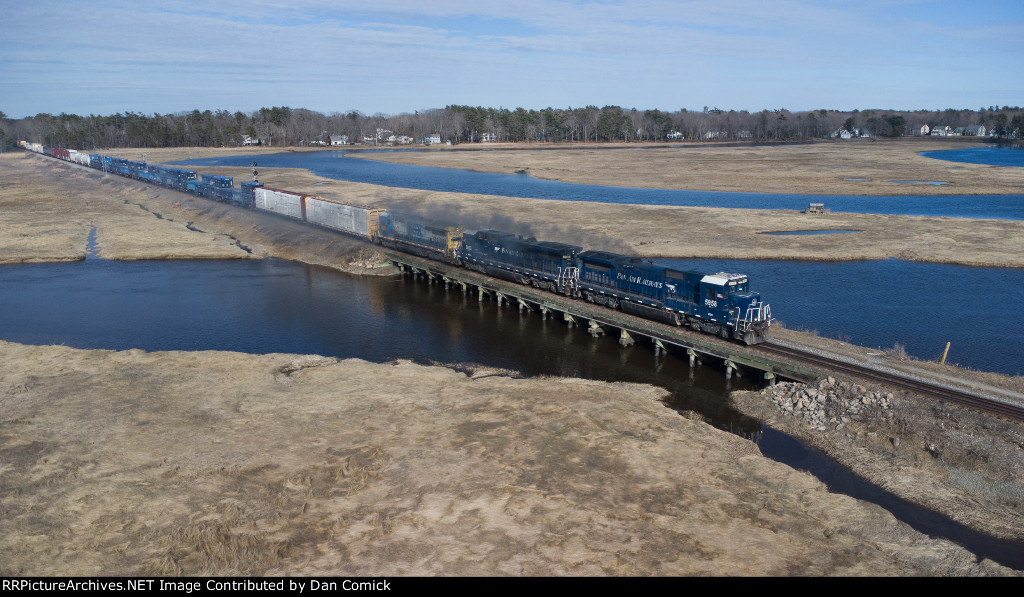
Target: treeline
{"x": 283, "y": 126}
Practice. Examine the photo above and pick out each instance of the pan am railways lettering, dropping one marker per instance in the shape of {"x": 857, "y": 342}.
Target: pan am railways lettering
{"x": 639, "y": 280}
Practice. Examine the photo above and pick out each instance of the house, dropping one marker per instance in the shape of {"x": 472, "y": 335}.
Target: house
{"x": 923, "y": 131}
{"x": 339, "y": 139}
{"x": 674, "y": 135}
{"x": 970, "y": 131}
{"x": 842, "y": 134}
{"x": 941, "y": 131}
{"x": 488, "y": 137}
{"x": 432, "y": 140}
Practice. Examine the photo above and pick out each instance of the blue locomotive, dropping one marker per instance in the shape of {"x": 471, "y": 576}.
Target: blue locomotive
{"x": 415, "y": 235}
{"x": 542, "y": 264}
{"x": 720, "y": 303}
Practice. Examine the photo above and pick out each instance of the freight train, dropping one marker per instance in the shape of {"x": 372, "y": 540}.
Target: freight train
{"x": 720, "y": 303}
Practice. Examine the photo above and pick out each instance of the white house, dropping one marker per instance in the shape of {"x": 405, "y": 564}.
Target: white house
{"x": 339, "y": 139}
{"x": 488, "y": 137}
{"x": 924, "y": 130}
{"x": 432, "y": 139}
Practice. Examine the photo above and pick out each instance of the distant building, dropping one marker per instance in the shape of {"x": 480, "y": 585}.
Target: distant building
{"x": 339, "y": 139}
{"x": 940, "y": 131}
{"x": 970, "y": 131}
{"x": 432, "y": 140}
{"x": 924, "y": 130}
{"x": 674, "y": 135}
{"x": 488, "y": 137}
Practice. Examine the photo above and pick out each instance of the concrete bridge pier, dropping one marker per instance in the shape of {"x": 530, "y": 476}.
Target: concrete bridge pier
{"x": 543, "y": 313}
{"x": 625, "y": 339}
{"x": 659, "y": 348}
{"x": 594, "y": 329}
{"x": 502, "y": 299}
{"x": 524, "y": 306}
{"x": 570, "y": 320}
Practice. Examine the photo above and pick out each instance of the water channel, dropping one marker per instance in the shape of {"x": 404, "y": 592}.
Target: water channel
{"x": 341, "y": 165}
{"x": 266, "y": 306}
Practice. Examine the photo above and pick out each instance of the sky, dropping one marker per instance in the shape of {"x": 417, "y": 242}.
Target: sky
{"x": 401, "y": 56}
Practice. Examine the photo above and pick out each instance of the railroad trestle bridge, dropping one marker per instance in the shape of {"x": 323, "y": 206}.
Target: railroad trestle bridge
{"x": 598, "y": 320}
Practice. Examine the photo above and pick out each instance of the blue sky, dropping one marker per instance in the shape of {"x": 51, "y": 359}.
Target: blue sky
{"x": 89, "y": 57}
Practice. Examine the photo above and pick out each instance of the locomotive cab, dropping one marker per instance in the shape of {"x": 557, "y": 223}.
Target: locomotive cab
{"x": 726, "y": 300}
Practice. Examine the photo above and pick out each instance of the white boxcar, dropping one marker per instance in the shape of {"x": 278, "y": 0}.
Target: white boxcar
{"x": 280, "y": 202}
{"x": 353, "y": 219}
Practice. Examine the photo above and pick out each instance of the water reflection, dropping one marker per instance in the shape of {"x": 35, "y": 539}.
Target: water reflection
{"x": 265, "y": 306}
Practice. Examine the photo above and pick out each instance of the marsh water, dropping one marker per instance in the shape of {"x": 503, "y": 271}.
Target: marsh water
{"x": 268, "y": 306}
{"x": 342, "y": 165}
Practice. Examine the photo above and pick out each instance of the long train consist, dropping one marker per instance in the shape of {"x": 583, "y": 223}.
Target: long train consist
{"x": 719, "y": 303}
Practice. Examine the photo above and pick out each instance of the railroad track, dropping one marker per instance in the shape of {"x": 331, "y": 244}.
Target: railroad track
{"x": 903, "y": 381}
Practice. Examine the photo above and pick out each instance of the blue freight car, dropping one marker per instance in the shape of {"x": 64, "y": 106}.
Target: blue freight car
{"x": 220, "y": 182}
{"x": 544, "y": 264}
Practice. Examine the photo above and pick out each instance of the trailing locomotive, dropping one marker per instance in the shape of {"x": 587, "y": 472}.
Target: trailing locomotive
{"x": 720, "y": 303}
{"x": 543, "y": 264}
